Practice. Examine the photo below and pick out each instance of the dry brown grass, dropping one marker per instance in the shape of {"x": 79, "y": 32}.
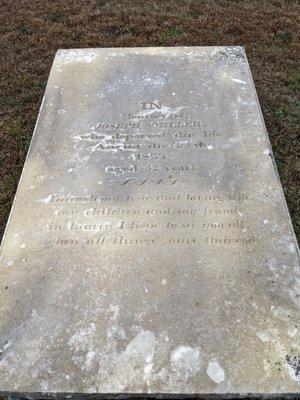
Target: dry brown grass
{"x": 32, "y": 31}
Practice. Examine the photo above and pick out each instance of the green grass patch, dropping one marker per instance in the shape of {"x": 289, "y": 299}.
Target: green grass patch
{"x": 174, "y": 32}
{"x": 294, "y": 83}
{"x": 12, "y": 127}
{"x": 290, "y": 110}
{"x": 286, "y": 37}
{"x": 10, "y": 101}
{"x": 41, "y": 85}
{"x": 55, "y": 17}
{"x": 15, "y": 131}
{"x": 216, "y": 35}
{"x": 23, "y": 29}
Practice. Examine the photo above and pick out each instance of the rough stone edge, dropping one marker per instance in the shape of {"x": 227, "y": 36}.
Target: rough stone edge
{"x": 288, "y": 216}
{"x": 26, "y": 159}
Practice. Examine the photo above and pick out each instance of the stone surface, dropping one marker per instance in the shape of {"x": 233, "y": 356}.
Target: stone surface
{"x": 149, "y": 248}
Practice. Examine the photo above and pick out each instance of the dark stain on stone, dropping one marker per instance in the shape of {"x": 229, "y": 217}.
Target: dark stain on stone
{"x": 233, "y": 53}
{"x": 294, "y": 362}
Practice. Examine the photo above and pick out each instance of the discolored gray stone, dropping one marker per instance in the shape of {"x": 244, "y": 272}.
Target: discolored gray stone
{"x": 149, "y": 249}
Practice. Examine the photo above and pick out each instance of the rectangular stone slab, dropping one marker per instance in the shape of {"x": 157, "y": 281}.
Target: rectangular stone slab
{"x": 149, "y": 249}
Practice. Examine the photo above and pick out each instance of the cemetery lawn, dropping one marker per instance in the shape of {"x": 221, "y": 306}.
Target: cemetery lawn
{"x": 32, "y": 31}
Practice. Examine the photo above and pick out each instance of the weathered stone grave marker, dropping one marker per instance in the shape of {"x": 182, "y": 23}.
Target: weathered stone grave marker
{"x": 149, "y": 249}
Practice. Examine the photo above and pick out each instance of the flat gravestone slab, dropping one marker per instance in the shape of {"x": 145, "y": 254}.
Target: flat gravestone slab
{"x": 149, "y": 249}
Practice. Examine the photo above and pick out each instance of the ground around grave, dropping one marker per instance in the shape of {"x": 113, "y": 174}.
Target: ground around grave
{"x": 32, "y": 31}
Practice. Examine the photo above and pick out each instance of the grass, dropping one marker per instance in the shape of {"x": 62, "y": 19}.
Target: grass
{"x": 32, "y": 31}
{"x": 174, "y": 32}
{"x": 294, "y": 83}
